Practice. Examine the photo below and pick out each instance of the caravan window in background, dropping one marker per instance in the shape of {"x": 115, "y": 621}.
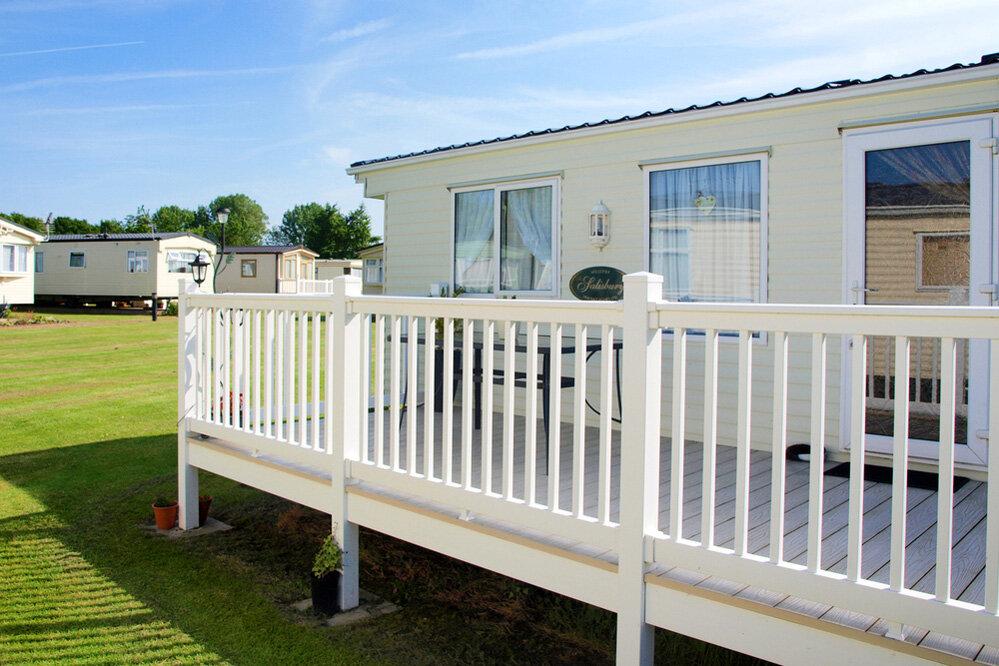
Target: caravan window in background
{"x": 180, "y": 262}
{"x": 137, "y": 261}
{"x": 77, "y": 259}
{"x": 707, "y": 230}
{"x": 39, "y": 262}
{"x": 373, "y": 271}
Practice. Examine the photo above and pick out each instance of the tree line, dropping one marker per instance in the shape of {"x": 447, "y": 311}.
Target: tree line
{"x": 323, "y": 228}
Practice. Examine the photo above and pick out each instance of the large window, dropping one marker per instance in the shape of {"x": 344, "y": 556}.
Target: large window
{"x": 505, "y": 238}
{"x": 180, "y": 261}
{"x": 14, "y": 258}
{"x": 137, "y": 261}
{"x": 707, "y": 230}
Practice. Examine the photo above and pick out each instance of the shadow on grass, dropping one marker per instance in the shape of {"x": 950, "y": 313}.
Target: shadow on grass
{"x": 100, "y": 586}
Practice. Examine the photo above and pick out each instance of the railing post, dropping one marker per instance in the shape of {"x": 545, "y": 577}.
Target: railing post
{"x": 640, "y": 413}
{"x": 344, "y": 420}
{"x": 187, "y": 369}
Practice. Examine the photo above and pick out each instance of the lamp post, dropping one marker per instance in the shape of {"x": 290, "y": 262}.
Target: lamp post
{"x": 222, "y": 215}
{"x": 199, "y": 269}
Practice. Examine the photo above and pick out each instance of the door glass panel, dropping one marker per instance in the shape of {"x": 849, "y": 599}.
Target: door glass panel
{"x": 918, "y": 229}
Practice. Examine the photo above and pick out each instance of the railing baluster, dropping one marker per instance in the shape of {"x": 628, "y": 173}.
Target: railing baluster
{"x": 237, "y": 367}
{"x": 710, "y": 448}
{"x": 447, "y": 418}
{"x": 945, "y": 487}
{"x": 918, "y": 397}
{"x": 279, "y": 354}
{"x": 412, "y": 396}
{"x": 858, "y": 418}
{"x": 467, "y": 407}
{"x": 816, "y": 478}
{"x": 256, "y": 379}
{"x": 992, "y": 510}
{"x": 395, "y": 381}
{"x": 328, "y": 408}
{"x": 488, "y": 340}
{"x": 226, "y": 367}
{"x": 244, "y": 401}
{"x": 303, "y": 377}
{"x": 554, "y": 443}
{"x": 900, "y": 468}
{"x": 935, "y": 382}
{"x": 379, "y": 399}
{"x": 778, "y": 463}
{"x": 289, "y": 377}
{"x": 606, "y": 413}
{"x": 316, "y": 331}
{"x": 678, "y": 433}
{"x": 429, "y": 394}
{"x": 269, "y": 344}
{"x": 531, "y": 416}
{"x": 199, "y": 363}
{"x": 744, "y": 440}
{"x": 509, "y": 407}
{"x": 365, "y": 353}
{"x": 579, "y": 425}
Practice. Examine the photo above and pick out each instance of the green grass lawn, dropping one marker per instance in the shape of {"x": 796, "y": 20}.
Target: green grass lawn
{"x": 88, "y": 439}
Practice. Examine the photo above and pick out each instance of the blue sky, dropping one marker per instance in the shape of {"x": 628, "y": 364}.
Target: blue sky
{"x": 106, "y": 105}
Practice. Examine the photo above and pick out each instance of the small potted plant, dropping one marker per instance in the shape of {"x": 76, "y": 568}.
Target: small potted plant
{"x": 166, "y": 513}
{"x": 204, "y": 504}
{"x": 326, "y": 577}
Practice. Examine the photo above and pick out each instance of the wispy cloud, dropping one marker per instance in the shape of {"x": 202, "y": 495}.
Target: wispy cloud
{"x": 580, "y": 38}
{"x": 359, "y": 30}
{"x": 137, "y": 108}
{"x": 69, "y": 48}
{"x": 120, "y": 77}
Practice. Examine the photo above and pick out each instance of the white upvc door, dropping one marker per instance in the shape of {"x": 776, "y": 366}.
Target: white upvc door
{"x": 920, "y": 229}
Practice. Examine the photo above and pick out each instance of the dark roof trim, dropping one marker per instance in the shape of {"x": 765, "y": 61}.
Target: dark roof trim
{"x": 71, "y": 238}
{"x": 265, "y": 249}
{"x": 988, "y": 59}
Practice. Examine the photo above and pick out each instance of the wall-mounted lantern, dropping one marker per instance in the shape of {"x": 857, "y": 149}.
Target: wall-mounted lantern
{"x": 199, "y": 269}
{"x": 600, "y": 225}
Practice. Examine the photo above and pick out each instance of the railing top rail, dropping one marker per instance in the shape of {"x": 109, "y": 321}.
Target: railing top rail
{"x": 891, "y": 320}
{"x": 249, "y": 301}
{"x": 534, "y": 310}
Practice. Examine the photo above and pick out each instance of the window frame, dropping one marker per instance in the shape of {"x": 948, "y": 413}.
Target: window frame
{"x": 39, "y": 260}
{"x": 293, "y": 273}
{"x": 14, "y": 259}
{"x": 921, "y": 238}
{"x": 186, "y": 264}
{"x": 132, "y": 258}
{"x": 762, "y": 157}
{"x": 242, "y": 268}
{"x": 498, "y": 187}
{"x": 81, "y": 253}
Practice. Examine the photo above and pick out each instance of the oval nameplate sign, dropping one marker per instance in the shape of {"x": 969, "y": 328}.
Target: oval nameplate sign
{"x": 598, "y": 283}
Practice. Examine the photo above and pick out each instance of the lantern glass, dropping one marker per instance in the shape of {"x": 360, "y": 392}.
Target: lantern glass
{"x": 199, "y": 269}
{"x": 600, "y": 225}
{"x": 223, "y": 215}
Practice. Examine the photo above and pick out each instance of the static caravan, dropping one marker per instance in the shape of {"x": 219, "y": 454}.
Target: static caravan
{"x": 853, "y": 192}
{"x": 18, "y": 263}
{"x": 327, "y": 269}
{"x": 373, "y": 257}
{"x": 265, "y": 269}
{"x": 102, "y": 268}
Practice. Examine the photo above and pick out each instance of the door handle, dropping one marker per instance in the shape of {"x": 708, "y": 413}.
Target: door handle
{"x": 857, "y": 290}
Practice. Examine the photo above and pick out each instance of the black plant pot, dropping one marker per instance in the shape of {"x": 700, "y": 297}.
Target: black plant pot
{"x": 326, "y": 593}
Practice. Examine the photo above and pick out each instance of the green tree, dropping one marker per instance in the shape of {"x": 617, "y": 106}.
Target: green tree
{"x": 111, "y": 226}
{"x": 296, "y": 223}
{"x": 140, "y": 222}
{"x": 247, "y": 221}
{"x": 34, "y": 223}
{"x": 326, "y": 230}
{"x": 70, "y": 225}
{"x": 173, "y": 218}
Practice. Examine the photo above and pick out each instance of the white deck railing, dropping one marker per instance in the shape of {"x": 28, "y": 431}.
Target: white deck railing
{"x": 308, "y": 369}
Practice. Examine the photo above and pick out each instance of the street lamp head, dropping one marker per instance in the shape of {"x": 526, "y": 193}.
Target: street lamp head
{"x": 223, "y": 215}
{"x": 199, "y": 269}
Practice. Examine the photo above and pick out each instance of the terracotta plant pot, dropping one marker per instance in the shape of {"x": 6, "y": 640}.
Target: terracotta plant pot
{"x": 326, "y": 593}
{"x": 166, "y": 516}
{"x": 204, "y": 504}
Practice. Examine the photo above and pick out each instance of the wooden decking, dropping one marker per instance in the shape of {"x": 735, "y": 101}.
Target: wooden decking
{"x": 968, "y": 525}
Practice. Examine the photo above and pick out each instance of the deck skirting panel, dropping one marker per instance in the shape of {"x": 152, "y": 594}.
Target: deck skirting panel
{"x": 269, "y": 477}
{"x": 587, "y": 579}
